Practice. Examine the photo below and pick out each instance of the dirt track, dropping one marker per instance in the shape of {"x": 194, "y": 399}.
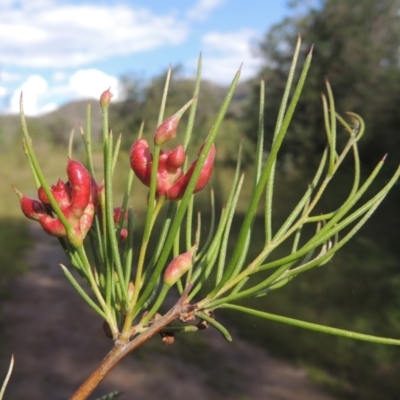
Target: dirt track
{"x": 57, "y": 341}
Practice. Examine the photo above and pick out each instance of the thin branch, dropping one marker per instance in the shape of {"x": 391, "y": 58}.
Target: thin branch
{"x": 121, "y": 349}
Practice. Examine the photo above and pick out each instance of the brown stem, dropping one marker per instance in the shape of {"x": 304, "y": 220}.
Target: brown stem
{"x": 119, "y": 351}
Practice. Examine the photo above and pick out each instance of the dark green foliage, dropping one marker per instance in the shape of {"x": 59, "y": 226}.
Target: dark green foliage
{"x": 359, "y": 290}
{"x": 356, "y": 49}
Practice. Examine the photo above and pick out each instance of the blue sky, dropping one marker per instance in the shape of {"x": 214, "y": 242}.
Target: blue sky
{"x": 56, "y": 51}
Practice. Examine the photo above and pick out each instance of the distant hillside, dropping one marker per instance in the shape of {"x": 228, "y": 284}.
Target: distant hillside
{"x": 240, "y": 97}
{"x": 56, "y": 125}
{"x": 73, "y": 115}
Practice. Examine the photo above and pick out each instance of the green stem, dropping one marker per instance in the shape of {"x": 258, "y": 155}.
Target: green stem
{"x": 176, "y": 223}
{"x": 314, "y": 327}
{"x": 39, "y": 175}
{"x": 157, "y": 304}
{"x": 83, "y": 294}
{"x": 249, "y": 218}
{"x": 216, "y": 325}
{"x": 150, "y": 219}
{"x": 87, "y": 140}
{"x": 278, "y": 136}
{"x": 92, "y": 281}
{"x": 110, "y": 225}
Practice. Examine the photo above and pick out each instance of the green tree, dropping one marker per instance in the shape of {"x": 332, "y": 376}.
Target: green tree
{"x": 356, "y": 47}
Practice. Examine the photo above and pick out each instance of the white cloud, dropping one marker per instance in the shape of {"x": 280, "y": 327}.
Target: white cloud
{"x": 38, "y": 96}
{"x": 203, "y": 8}
{"x": 223, "y": 53}
{"x": 50, "y": 34}
{"x": 33, "y": 89}
{"x": 3, "y": 91}
{"x": 91, "y": 83}
{"x": 46, "y": 108}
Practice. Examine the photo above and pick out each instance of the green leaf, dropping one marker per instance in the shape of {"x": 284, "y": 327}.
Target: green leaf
{"x": 314, "y": 327}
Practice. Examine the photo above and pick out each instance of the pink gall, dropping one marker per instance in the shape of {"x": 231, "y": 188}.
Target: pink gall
{"x": 167, "y": 130}
{"x": 179, "y": 266}
{"x": 177, "y": 190}
{"x": 105, "y": 98}
{"x": 74, "y": 199}
{"x": 171, "y": 181}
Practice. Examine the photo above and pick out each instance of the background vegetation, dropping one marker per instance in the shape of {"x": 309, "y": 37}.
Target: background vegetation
{"x": 357, "y": 49}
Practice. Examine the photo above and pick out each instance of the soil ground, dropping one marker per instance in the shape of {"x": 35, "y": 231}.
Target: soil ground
{"x": 57, "y": 342}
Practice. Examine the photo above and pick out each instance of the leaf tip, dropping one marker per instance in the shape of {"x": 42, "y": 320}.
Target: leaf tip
{"x": 21, "y": 103}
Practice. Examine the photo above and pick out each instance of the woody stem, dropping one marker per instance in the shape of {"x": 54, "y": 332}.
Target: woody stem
{"x": 121, "y": 349}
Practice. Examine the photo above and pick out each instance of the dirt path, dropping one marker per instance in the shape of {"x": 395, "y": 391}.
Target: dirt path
{"x": 57, "y": 341}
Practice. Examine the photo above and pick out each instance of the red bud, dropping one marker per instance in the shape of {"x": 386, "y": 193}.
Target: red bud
{"x": 75, "y": 199}
{"x": 31, "y": 208}
{"x": 177, "y": 191}
{"x": 175, "y": 159}
{"x": 86, "y": 220}
{"x": 179, "y": 266}
{"x": 61, "y": 193}
{"x": 167, "y": 172}
{"x": 80, "y": 181}
{"x": 52, "y": 226}
{"x": 167, "y": 130}
{"x": 170, "y": 179}
{"x": 123, "y": 235}
{"x": 141, "y": 159}
{"x": 117, "y": 215}
{"x": 105, "y": 98}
